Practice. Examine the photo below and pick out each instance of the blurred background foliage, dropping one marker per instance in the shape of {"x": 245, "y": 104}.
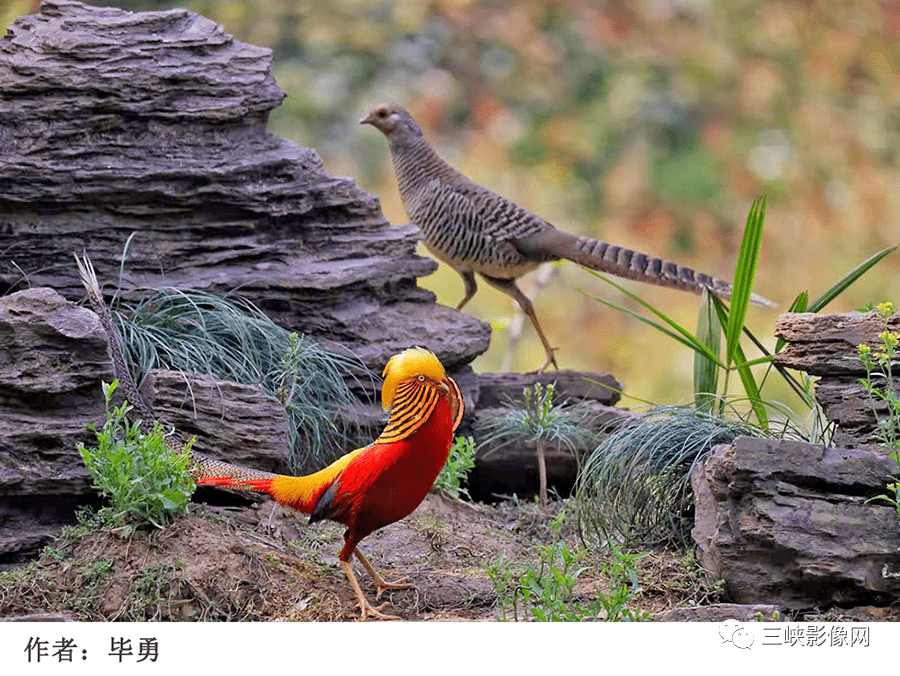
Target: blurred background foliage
{"x": 651, "y": 124}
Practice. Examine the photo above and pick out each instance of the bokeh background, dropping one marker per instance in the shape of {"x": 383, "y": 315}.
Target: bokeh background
{"x": 651, "y": 124}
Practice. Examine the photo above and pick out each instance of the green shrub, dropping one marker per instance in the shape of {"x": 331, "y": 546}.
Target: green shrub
{"x": 461, "y": 460}
{"x": 146, "y": 481}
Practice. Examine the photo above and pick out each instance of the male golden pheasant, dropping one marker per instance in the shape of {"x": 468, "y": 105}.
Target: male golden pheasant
{"x": 364, "y": 490}
{"x": 474, "y": 229}
{"x": 379, "y": 484}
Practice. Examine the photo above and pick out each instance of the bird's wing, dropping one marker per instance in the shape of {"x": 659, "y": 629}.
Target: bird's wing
{"x": 348, "y": 478}
{"x": 496, "y": 216}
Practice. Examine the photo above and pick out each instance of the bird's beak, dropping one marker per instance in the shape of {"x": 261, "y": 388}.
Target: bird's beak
{"x": 444, "y": 386}
{"x": 366, "y": 119}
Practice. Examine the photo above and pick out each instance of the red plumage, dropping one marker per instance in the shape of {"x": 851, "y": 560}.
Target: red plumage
{"x": 379, "y": 484}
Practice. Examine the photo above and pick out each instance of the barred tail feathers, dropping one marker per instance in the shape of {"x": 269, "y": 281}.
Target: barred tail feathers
{"x": 615, "y": 260}
{"x": 120, "y": 365}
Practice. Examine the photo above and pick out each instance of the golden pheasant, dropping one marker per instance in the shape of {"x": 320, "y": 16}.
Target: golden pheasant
{"x": 473, "y": 229}
{"x": 364, "y": 490}
{"x": 379, "y": 484}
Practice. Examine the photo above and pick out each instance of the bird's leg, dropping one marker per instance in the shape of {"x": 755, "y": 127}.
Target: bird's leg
{"x": 468, "y": 278}
{"x": 509, "y": 287}
{"x": 365, "y": 608}
{"x": 380, "y": 584}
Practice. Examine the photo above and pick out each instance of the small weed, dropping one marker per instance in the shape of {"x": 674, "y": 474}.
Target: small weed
{"x": 879, "y": 380}
{"x": 155, "y": 586}
{"x": 461, "y": 460}
{"x": 546, "y": 593}
{"x": 879, "y": 384}
{"x": 146, "y": 481}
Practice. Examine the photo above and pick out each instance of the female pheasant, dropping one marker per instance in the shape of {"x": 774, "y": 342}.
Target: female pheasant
{"x": 366, "y": 489}
{"x": 473, "y": 229}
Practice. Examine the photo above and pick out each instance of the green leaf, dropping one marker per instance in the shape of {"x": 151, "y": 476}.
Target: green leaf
{"x": 744, "y": 274}
{"x": 752, "y": 389}
{"x": 765, "y": 359}
{"x": 706, "y": 372}
{"x": 799, "y": 305}
{"x": 838, "y": 287}
{"x": 685, "y": 338}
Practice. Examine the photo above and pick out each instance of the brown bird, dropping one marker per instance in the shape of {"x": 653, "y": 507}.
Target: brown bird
{"x": 473, "y": 229}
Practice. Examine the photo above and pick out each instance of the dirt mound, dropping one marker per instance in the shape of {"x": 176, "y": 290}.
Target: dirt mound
{"x": 261, "y": 562}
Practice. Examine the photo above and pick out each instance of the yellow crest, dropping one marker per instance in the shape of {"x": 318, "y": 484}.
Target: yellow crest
{"x": 411, "y": 363}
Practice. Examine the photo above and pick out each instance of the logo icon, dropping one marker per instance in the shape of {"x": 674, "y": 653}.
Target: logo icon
{"x": 732, "y": 631}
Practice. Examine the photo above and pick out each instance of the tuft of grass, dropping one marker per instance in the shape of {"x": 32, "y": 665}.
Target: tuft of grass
{"x": 200, "y": 332}
{"x": 454, "y": 472}
{"x": 543, "y": 423}
{"x": 145, "y": 481}
{"x": 635, "y": 485}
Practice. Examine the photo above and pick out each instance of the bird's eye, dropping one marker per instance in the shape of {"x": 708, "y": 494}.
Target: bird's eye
{"x": 421, "y": 379}
{"x": 381, "y": 113}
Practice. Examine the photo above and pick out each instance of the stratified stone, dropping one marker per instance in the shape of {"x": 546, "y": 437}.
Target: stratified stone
{"x": 150, "y": 129}
{"x": 790, "y": 524}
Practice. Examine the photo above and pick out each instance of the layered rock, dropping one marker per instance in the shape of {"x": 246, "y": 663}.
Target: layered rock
{"x": 789, "y": 524}
{"x": 826, "y": 346}
{"x": 150, "y": 128}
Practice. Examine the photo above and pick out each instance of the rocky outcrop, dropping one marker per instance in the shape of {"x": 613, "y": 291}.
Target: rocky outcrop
{"x": 53, "y": 359}
{"x": 150, "y": 128}
{"x": 788, "y": 523}
{"x": 826, "y": 346}
{"x": 53, "y": 356}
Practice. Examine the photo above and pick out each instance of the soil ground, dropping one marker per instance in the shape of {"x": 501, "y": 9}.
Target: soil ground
{"x": 263, "y": 562}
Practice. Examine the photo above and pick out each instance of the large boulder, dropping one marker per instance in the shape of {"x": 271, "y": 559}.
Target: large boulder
{"x": 789, "y": 523}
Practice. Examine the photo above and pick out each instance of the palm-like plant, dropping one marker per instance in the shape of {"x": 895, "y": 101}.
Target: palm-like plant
{"x": 543, "y": 423}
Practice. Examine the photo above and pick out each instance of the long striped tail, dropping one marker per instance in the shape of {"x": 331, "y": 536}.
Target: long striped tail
{"x": 120, "y": 364}
{"x": 622, "y": 262}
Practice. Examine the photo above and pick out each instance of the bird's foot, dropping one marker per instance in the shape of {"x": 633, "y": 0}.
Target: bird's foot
{"x": 551, "y": 360}
{"x": 367, "y": 610}
{"x": 382, "y": 586}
